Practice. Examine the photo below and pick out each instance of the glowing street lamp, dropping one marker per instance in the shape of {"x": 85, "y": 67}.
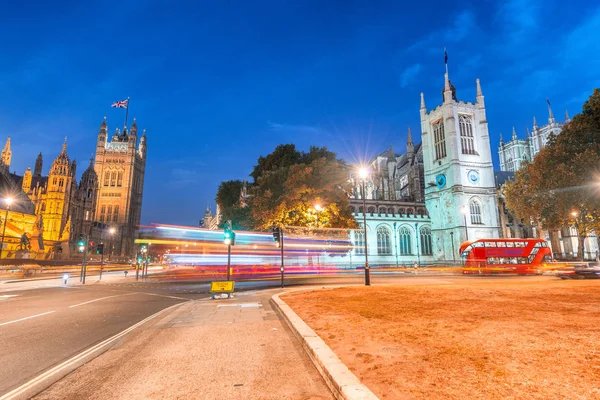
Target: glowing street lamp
{"x": 318, "y": 207}
{"x": 363, "y": 173}
{"x": 464, "y": 212}
{"x": 111, "y": 232}
{"x": 8, "y": 201}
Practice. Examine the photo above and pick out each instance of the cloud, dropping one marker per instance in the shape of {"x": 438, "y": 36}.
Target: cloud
{"x": 304, "y": 130}
{"x": 520, "y": 21}
{"x": 409, "y": 74}
{"x": 181, "y": 177}
{"x": 464, "y": 25}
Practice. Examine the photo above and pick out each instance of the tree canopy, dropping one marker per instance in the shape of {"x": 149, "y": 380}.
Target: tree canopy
{"x": 561, "y": 185}
{"x": 291, "y": 188}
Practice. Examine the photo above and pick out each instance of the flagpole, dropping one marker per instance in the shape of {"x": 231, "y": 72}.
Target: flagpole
{"x": 126, "y": 112}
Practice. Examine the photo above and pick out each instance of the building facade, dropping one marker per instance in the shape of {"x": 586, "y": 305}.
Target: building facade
{"x": 120, "y": 167}
{"x": 420, "y": 206}
{"x": 62, "y": 210}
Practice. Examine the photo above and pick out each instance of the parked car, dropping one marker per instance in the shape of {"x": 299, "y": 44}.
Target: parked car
{"x": 580, "y": 272}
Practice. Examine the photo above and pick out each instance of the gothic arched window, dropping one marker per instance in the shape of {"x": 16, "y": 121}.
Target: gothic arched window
{"x": 383, "y": 241}
{"x": 405, "y": 241}
{"x": 120, "y": 179}
{"x": 425, "y": 237}
{"x": 439, "y": 139}
{"x": 106, "y": 178}
{"x": 359, "y": 241}
{"x": 116, "y": 213}
{"x": 475, "y": 209}
{"x": 113, "y": 179}
{"x": 466, "y": 134}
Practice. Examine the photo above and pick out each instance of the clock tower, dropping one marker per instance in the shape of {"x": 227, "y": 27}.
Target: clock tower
{"x": 460, "y": 191}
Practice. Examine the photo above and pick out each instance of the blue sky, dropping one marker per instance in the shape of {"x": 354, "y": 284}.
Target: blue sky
{"x": 216, "y": 84}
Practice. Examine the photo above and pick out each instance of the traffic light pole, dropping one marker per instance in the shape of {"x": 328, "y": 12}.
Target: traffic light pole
{"x": 101, "y": 264}
{"x": 282, "y": 265}
{"x": 83, "y": 266}
{"x": 228, "y": 261}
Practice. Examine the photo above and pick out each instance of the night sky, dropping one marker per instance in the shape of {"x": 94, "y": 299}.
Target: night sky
{"x": 218, "y": 85}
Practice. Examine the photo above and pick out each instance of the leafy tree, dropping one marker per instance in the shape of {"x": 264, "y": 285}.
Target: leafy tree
{"x": 560, "y": 186}
{"x": 283, "y": 157}
{"x": 287, "y": 195}
{"x": 228, "y": 197}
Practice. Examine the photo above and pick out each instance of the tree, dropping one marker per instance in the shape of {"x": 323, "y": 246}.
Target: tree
{"x": 283, "y": 157}
{"x": 228, "y": 199}
{"x": 286, "y": 193}
{"x": 560, "y": 186}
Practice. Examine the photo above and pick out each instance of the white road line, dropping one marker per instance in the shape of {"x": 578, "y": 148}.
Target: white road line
{"x": 164, "y": 295}
{"x": 243, "y": 305}
{"x": 23, "y": 319}
{"x": 6, "y": 296}
{"x": 101, "y": 298}
{"x": 72, "y": 362}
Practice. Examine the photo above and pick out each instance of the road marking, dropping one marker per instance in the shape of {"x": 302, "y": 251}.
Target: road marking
{"x": 164, "y": 295}
{"x": 243, "y": 305}
{"x": 23, "y": 319}
{"x": 6, "y": 296}
{"x": 23, "y": 389}
{"x": 101, "y": 298}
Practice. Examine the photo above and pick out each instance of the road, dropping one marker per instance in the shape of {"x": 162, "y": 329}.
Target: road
{"x": 44, "y": 323}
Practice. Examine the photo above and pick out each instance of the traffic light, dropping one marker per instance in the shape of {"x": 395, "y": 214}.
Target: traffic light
{"x": 91, "y": 245}
{"x": 81, "y": 244}
{"x": 228, "y": 237}
{"x": 144, "y": 248}
{"x": 100, "y": 248}
{"x": 277, "y": 235}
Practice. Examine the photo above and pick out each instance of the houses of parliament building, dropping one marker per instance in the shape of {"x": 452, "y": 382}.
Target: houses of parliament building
{"x": 45, "y": 215}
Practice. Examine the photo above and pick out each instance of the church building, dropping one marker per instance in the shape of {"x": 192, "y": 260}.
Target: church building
{"x": 423, "y": 204}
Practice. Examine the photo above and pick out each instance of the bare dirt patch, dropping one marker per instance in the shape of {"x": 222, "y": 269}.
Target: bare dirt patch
{"x": 478, "y": 339}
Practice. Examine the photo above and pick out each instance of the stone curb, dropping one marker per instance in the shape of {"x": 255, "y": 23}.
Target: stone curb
{"x": 341, "y": 381}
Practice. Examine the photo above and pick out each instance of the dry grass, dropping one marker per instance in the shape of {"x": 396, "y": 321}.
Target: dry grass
{"x": 478, "y": 339}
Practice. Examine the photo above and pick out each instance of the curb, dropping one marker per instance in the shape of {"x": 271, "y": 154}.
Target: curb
{"x": 341, "y": 381}
{"x": 46, "y": 379}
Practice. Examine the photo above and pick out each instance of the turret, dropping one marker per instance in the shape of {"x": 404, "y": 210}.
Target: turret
{"x": 26, "y": 185}
{"x": 535, "y": 125}
{"x": 143, "y": 145}
{"x": 514, "y": 133}
{"x": 102, "y": 134}
{"x": 6, "y": 154}
{"x": 551, "y": 119}
{"x": 501, "y": 140}
{"x": 38, "y": 166}
{"x": 480, "y": 99}
{"x": 567, "y": 119}
{"x": 410, "y": 146}
{"x": 447, "y": 94}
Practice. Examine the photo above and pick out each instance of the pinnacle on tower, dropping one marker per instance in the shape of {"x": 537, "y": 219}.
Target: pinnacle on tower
{"x": 38, "y": 166}
{"x": 535, "y": 125}
{"x": 64, "y": 147}
{"x": 550, "y": 114}
{"x": 133, "y": 130}
{"x": 501, "y": 140}
{"x": 410, "y": 147}
{"x": 567, "y": 119}
{"x": 528, "y": 133}
{"x": 423, "y": 101}
{"x": 6, "y": 153}
{"x": 479, "y": 93}
{"x": 514, "y": 133}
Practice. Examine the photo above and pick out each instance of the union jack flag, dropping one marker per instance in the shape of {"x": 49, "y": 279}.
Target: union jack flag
{"x": 120, "y": 104}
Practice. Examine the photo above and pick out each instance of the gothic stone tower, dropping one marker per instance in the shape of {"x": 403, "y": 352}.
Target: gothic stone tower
{"x": 56, "y": 208}
{"x": 120, "y": 167}
{"x": 459, "y": 175}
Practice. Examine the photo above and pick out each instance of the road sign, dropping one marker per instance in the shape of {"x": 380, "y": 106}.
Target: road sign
{"x": 222, "y": 287}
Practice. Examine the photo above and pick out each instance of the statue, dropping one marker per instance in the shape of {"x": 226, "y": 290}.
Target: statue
{"x": 25, "y": 243}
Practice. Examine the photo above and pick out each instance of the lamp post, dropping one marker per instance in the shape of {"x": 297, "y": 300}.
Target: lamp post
{"x": 452, "y": 241}
{"x": 318, "y": 209}
{"x": 417, "y": 243}
{"x": 8, "y": 201}
{"x": 464, "y": 211}
{"x": 582, "y": 255}
{"x": 111, "y": 232}
{"x": 363, "y": 172}
{"x": 395, "y": 245}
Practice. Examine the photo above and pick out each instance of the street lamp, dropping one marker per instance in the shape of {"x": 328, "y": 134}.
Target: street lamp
{"x": 111, "y": 231}
{"x": 464, "y": 211}
{"x": 452, "y": 240}
{"x": 8, "y": 201}
{"x": 363, "y": 173}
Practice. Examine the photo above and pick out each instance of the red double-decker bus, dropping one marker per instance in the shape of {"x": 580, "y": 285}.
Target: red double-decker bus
{"x": 517, "y": 256}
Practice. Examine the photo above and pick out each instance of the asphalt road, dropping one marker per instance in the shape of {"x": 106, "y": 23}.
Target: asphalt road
{"x": 43, "y": 326}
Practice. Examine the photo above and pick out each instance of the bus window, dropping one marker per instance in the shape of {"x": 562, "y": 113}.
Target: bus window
{"x": 538, "y": 244}
{"x": 501, "y": 244}
{"x": 509, "y": 244}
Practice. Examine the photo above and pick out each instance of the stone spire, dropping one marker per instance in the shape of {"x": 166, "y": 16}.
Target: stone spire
{"x": 26, "y": 184}
{"x": 410, "y": 146}
{"x": 479, "y": 92}
{"x": 447, "y": 89}
{"x": 423, "y": 102}
{"x": 501, "y": 140}
{"x": 567, "y": 119}
{"x": 64, "y": 147}
{"x": 133, "y": 130}
{"x": 479, "y": 100}
{"x": 535, "y": 125}
{"x": 6, "y": 153}
{"x": 528, "y": 134}
{"x": 550, "y": 114}
{"x": 514, "y": 133}
{"x": 37, "y": 171}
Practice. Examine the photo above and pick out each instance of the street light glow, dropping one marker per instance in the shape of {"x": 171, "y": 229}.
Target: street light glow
{"x": 112, "y": 231}
{"x": 9, "y": 201}
{"x": 464, "y": 210}
{"x": 574, "y": 213}
{"x": 318, "y": 207}
{"x": 363, "y": 172}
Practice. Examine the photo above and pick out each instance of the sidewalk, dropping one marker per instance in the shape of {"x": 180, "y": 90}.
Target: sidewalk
{"x": 227, "y": 349}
